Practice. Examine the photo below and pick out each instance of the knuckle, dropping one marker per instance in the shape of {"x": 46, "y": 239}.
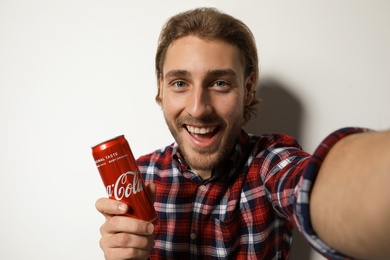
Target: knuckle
{"x": 111, "y": 223}
{"x": 102, "y": 229}
{"x": 109, "y": 226}
{"x": 131, "y": 253}
{"x": 109, "y": 253}
{"x": 122, "y": 239}
{"x": 99, "y": 204}
{"x": 101, "y": 244}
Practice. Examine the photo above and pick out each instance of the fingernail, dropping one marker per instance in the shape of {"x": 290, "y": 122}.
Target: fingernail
{"x": 122, "y": 207}
{"x": 150, "y": 228}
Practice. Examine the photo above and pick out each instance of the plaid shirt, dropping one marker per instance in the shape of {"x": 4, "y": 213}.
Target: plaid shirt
{"x": 246, "y": 210}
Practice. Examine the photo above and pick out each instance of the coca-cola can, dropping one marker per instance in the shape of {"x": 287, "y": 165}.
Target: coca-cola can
{"x": 122, "y": 178}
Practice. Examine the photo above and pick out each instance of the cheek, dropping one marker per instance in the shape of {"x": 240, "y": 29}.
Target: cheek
{"x": 170, "y": 106}
{"x": 231, "y": 110}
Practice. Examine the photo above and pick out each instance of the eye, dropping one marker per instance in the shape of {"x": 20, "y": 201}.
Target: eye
{"x": 220, "y": 83}
{"x": 179, "y": 84}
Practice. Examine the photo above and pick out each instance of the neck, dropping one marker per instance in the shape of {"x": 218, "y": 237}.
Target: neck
{"x": 205, "y": 174}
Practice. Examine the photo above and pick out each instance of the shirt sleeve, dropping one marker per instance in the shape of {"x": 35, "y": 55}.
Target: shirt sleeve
{"x": 303, "y": 193}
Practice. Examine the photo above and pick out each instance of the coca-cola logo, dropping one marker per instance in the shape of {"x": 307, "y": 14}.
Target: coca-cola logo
{"x": 124, "y": 188}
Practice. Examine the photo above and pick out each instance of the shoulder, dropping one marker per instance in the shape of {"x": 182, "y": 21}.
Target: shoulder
{"x": 273, "y": 152}
{"x": 273, "y": 141}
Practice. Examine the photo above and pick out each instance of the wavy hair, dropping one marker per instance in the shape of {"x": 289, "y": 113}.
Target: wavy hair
{"x": 209, "y": 24}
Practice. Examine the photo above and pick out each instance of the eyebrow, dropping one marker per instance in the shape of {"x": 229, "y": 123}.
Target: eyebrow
{"x": 215, "y": 73}
{"x": 222, "y": 72}
{"x": 176, "y": 73}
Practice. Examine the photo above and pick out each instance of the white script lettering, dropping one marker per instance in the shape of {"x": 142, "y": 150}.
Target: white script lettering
{"x": 123, "y": 188}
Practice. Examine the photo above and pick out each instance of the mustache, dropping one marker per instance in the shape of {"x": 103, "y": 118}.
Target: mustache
{"x": 207, "y": 120}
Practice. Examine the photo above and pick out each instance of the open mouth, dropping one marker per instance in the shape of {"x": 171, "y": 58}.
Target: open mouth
{"x": 202, "y": 133}
{"x": 203, "y": 136}
{"x": 201, "y": 130}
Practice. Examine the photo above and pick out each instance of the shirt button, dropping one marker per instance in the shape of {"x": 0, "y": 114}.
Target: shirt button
{"x": 193, "y": 236}
{"x": 202, "y": 188}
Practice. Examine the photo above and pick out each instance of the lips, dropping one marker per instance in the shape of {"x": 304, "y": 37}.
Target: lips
{"x": 203, "y": 136}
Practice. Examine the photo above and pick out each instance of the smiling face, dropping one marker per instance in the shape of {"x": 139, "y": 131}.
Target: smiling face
{"x": 203, "y": 92}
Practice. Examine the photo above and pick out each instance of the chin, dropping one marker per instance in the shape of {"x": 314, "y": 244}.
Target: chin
{"x": 204, "y": 160}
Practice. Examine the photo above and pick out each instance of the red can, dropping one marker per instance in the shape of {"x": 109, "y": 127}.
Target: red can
{"x": 122, "y": 178}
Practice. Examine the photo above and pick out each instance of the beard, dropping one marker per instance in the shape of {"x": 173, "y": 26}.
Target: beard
{"x": 205, "y": 158}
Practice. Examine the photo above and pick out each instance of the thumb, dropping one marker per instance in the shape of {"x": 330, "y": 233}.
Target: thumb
{"x": 152, "y": 191}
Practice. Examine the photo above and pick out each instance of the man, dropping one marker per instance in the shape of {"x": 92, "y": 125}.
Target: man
{"x": 223, "y": 193}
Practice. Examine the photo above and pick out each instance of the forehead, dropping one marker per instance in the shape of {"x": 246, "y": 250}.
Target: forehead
{"x": 191, "y": 53}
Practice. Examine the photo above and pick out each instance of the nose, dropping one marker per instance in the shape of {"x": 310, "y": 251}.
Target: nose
{"x": 199, "y": 103}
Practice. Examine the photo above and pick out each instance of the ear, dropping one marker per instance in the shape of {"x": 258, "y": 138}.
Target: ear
{"x": 249, "y": 89}
{"x": 159, "y": 91}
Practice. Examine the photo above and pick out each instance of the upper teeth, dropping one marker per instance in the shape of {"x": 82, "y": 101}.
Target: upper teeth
{"x": 200, "y": 130}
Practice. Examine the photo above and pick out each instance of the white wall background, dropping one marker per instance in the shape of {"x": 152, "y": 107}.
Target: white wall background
{"x": 76, "y": 72}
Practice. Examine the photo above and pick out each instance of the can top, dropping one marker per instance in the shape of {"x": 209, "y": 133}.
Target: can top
{"x": 108, "y": 142}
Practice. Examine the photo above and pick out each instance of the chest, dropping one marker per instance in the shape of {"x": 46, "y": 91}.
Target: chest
{"x": 191, "y": 210}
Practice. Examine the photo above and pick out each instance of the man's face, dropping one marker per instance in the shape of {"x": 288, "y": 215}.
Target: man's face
{"x": 203, "y": 93}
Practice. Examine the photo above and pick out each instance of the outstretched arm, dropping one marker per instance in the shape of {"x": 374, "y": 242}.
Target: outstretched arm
{"x": 350, "y": 200}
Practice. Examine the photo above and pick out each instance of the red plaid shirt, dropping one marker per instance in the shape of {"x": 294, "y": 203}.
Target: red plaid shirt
{"x": 246, "y": 210}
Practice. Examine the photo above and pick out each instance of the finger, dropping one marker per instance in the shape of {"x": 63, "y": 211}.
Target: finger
{"x": 117, "y": 224}
{"x": 126, "y": 240}
{"x": 125, "y": 253}
{"x": 108, "y": 206}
